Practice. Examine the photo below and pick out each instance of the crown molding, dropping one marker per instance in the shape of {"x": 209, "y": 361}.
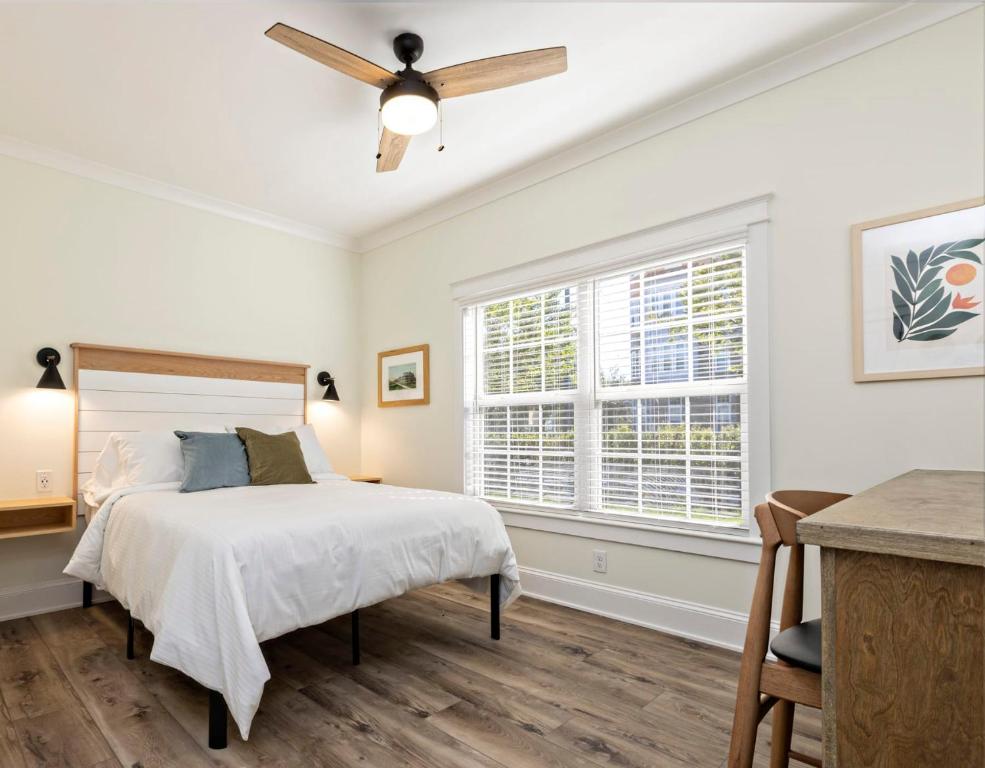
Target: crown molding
{"x": 899, "y": 22}
{"x": 63, "y": 161}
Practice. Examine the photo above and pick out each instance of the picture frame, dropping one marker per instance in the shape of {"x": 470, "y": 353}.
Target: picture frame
{"x": 918, "y": 294}
{"x": 403, "y": 377}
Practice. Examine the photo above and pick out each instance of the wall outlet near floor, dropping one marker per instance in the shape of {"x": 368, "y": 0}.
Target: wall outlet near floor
{"x": 42, "y": 480}
{"x": 600, "y": 562}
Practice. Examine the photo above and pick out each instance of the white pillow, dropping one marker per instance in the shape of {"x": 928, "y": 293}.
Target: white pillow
{"x": 150, "y": 457}
{"x": 107, "y": 475}
{"x": 134, "y": 458}
{"x": 314, "y": 456}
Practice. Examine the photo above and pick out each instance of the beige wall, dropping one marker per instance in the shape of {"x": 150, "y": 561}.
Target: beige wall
{"x": 83, "y": 261}
{"x": 897, "y": 129}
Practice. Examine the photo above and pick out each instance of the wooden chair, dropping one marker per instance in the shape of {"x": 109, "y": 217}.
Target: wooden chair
{"x": 796, "y": 677}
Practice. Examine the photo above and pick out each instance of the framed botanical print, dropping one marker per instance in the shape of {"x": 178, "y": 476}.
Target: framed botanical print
{"x": 918, "y": 285}
{"x": 403, "y": 377}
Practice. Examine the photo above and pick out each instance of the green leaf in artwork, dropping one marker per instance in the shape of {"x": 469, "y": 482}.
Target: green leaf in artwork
{"x": 897, "y": 263}
{"x": 927, "y": 303}
{"x": 904, "y": 286}
{"x": 952, "y": 319}
{"x": 902, "y": 308}
{"x": 966, "y": 244}
{"x": 925, "y": 257}
{"x": 937, "y": 310}
{"x": 912, "y": 264}
{"x": 965, "y": 255}
{"x": 897, "y": 327}
{"x": 926, "y": 277}
{"x": 931, "y": 335}
{"x": 942, "y": 247}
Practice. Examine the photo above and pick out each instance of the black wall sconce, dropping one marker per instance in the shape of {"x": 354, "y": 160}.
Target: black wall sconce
{"x": 326, "y": 380}
{"x": 49, "y": 359}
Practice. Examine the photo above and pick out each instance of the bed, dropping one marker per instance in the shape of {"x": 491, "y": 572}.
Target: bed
{"x": 212, "y": 574}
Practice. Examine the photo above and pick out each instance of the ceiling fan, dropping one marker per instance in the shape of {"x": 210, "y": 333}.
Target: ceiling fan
{"x": 409, "y": 102}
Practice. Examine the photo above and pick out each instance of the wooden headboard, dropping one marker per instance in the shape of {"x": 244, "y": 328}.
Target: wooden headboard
{"x": 119, "y": 389}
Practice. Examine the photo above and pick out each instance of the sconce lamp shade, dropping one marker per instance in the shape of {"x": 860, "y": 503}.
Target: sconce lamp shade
{"x": 326, "y": 380}
{"x": 49, "y": 359}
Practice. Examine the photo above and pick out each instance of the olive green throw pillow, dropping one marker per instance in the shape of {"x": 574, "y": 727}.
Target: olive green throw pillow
{"x": 274, "y": 459}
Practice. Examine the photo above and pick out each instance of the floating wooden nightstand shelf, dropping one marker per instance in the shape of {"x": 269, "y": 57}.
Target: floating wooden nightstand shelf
{"x": 34, "y": 517}
{"x": 366, "y": 478}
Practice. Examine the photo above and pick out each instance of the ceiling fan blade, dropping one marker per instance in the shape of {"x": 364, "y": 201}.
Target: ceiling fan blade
{"x": 392, "y": 148}
{"x": 497, "y": 72}
{"x": 332, "y": 56}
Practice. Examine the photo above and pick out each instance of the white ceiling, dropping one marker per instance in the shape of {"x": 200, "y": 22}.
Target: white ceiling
{"x": 194, "y": 95}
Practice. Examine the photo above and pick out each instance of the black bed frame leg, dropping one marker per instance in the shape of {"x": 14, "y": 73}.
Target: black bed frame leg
{"x": 355, "y": 638}
{"x": 217, "y": 721}
{"x": 494, "y": 606}
{"x": 87, "y": 594}
{"x": 130, "y": 654}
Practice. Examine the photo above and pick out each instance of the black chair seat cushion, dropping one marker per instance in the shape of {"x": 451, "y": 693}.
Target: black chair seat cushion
{"x": 800, "y": 645}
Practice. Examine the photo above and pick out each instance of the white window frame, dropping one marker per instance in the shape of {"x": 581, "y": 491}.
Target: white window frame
{"x": 746, "y": 222}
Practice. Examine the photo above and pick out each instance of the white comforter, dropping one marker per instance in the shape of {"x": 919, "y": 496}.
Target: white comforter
{"x": 212, "y": 574}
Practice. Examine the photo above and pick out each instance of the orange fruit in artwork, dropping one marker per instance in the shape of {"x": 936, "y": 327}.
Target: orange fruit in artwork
{"x": 960, "y": 274}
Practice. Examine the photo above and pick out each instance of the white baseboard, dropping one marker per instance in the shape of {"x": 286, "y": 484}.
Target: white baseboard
{"x": 44, "y": 597}
{"x": 695, "y": 621}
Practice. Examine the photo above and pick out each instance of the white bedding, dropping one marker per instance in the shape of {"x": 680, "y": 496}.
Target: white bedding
{"x": 214, "y": 573}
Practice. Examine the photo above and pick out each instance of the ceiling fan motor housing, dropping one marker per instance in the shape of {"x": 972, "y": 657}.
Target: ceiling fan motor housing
{"x": 408, "y": 47}
{"x": 412, "y": 84}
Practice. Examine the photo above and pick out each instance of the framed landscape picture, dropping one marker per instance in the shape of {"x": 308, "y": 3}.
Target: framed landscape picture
{"x": 918, "y": 287}
{"x": 403, "y": 377}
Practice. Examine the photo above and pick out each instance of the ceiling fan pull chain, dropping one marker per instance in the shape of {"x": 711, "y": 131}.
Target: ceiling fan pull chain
{"x": 379, "y": 132}
{"x": 441, "y": 126}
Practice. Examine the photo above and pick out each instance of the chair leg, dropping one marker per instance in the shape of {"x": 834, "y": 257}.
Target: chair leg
{"x": 745, "y": 723}
{"x": 783, "y": 714}
{"x": 748, "y": 711}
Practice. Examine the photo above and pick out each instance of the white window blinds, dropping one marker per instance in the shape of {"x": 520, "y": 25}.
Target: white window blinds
{"x": 620, "y": 394}
{"x": 520, "y": 398}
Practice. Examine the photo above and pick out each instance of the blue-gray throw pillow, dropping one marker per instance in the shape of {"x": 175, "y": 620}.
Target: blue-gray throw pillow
{"x": 212, "y": 460}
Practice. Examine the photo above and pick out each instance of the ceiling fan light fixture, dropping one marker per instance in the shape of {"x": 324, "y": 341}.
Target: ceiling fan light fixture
{"x": 409, "y": 107}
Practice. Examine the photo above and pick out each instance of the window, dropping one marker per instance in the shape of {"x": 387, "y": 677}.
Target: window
{"x": 522, "y": 407}
{"x": 621, "y": 394}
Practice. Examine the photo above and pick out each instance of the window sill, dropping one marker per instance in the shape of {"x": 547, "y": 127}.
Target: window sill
{"x": 708, "y": 544}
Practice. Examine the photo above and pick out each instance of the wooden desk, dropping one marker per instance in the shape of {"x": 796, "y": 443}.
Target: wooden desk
{"x": 903, "y": 611}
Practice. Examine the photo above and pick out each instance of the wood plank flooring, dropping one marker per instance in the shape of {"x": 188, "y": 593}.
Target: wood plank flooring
{"x": 562, "y": 689}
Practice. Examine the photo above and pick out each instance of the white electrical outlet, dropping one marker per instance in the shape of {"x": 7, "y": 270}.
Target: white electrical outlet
{"x": 43, "y": 480}
{"x": 600, "y": 563}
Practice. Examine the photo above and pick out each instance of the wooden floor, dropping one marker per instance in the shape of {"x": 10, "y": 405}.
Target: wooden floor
{"x": 562, "y": 688}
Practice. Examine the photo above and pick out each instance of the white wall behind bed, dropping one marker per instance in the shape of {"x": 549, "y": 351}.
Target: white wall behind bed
{"x": 123, "y": 401}
{"x": 85, "y": 261}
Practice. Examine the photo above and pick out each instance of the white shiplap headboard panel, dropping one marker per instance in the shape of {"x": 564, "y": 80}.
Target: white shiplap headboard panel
{"x": 129, "y": 390}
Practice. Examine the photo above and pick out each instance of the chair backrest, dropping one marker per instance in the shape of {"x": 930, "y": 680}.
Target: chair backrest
{"x": 777, "y": 520}
{"x": 788, "y": 507}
